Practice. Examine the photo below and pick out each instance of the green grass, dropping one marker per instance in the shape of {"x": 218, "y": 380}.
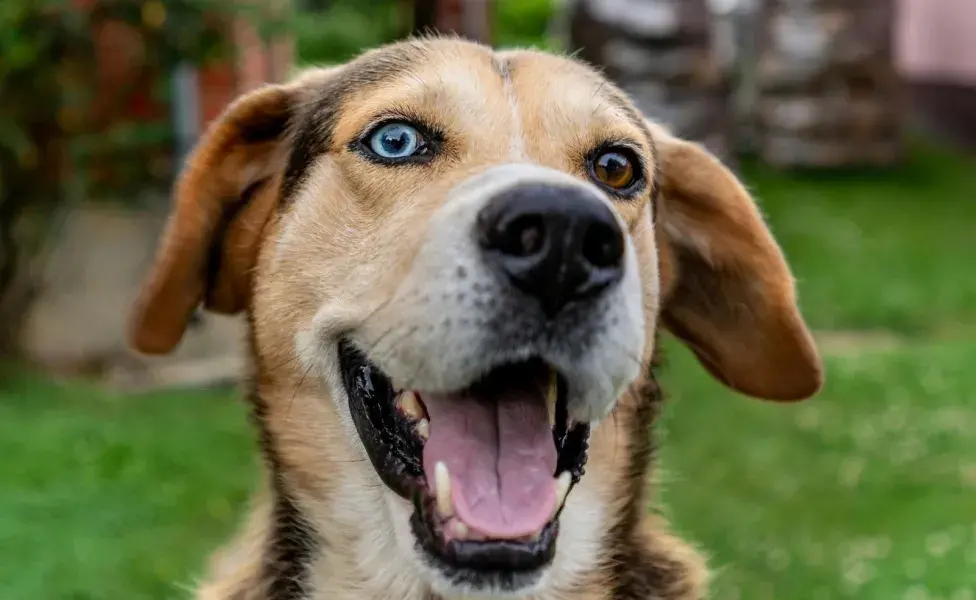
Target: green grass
{"x": 105, "y": 497}
{"x": 867, "y": 491}
{"x": 871, "y": 250}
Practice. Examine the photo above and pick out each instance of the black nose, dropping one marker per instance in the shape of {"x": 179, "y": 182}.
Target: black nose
{"x": 557, "y": 243}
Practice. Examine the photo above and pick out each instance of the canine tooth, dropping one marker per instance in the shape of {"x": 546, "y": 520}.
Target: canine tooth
{"x": 423, "y": 429}
{"x": 410, "y": 405}
{"x": 442, "y": 489}
{"x": 562, "y": 489}
{"x": 552, "y": 393}
{"x": 460, "y": 530}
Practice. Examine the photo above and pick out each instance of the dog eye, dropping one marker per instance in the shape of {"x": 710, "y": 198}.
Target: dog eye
{"x": 614, "y": 169}
{"x": 396, "y": 140}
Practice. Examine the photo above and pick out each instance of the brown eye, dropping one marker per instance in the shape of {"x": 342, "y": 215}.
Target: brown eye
{"x": 614, "y": 169}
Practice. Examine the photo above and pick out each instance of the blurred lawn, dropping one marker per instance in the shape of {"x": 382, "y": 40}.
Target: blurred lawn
{"x": 866, "y": 492}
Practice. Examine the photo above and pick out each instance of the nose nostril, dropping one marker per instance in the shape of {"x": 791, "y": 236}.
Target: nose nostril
{"x": 523, "y": 236}
{"x": 558, "y": 244}
{"x": 602, "y": 245}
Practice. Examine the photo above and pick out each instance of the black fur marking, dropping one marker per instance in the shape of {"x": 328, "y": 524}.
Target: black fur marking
{"x": 286, "y": 566}
{"x": 503, "y": 67}
{"x": 635, "y": 574}
{"x": 292, "y": 541}
{"x": 622, "y": 103}
{"x": 267, "y": 124}
{"x": 655, "y": 177}
{"x": 215, "y": 254}
{"x": 646, "y": 577}
{"x": 314, "y": 127}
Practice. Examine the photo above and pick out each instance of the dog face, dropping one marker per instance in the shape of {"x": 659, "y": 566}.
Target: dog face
{"x": 466, "y": 255}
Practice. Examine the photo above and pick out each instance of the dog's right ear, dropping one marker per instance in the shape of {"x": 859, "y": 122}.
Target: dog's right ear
{"x": 225, "y": 196}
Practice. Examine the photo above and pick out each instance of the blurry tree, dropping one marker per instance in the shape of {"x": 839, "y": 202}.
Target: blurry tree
{"x": 59, "y": 124}
{"x": 467, "y": 18}
{"x": 332, "y": 31}
{"x": 660, "y": 52}
{"x": 828, "y": 92}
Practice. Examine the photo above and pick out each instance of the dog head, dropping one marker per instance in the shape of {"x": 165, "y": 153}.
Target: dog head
{"x": 468, "y": 253}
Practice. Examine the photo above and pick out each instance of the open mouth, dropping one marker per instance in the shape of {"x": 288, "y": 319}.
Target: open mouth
{"x": 488, "y": 468}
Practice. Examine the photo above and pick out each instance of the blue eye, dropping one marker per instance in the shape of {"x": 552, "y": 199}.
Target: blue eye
{"x": 396, "y": 140}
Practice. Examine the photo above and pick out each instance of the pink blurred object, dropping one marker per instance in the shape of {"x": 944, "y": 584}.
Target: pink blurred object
{"x": 937, "y": 40}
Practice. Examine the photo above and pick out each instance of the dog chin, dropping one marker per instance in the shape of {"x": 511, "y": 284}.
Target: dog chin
{"x": 578, "y": 552}
{"x": 424, "y": 569}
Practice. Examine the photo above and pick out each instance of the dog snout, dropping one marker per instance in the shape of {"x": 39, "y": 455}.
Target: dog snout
{"x": 556, "y": 243}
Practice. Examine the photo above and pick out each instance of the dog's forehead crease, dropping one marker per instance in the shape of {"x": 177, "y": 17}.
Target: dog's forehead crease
{"x": 452, "y": 95}
{"x": 487, "y": 98}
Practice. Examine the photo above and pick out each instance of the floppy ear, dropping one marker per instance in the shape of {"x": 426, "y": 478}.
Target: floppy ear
{"x": 224, "y": 197}
{"x": 727, "y": 291}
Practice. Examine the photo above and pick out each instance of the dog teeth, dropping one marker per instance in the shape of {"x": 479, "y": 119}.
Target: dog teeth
{"x": 410, "y": 405}
{"x": 562, "y": 490}
{"x": 460, "y": 530}
{"x": 442, "y": 489}
{"x": 552, "y": 394}
{"x": 423, "y": 429}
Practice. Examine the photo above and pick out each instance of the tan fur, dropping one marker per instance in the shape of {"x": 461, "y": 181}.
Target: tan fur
{"x": 339, "y": 246}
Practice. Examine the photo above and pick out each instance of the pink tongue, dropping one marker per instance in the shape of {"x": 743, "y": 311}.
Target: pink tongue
{"x": 501, "y": 458}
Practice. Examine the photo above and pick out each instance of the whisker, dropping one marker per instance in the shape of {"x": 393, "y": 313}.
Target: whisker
{"x": 376, "y": 345}
{"x": 293, "y": 358}
{"x": 394, "y": 346}
{"x": 297, "y": 387}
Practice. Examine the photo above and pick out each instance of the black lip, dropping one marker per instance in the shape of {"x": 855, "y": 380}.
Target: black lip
{"x": 508, "y": 565}
{"x": 395, "y": 454}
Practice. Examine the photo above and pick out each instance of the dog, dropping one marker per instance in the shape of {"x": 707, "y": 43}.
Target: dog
{"x": 455, "y": 264}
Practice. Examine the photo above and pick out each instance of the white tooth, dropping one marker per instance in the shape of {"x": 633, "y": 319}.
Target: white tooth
{"x": 442, "y": 488}
{"x": 562, "y": 489}
{"x": 423, "y": 429}
{"x": 460, "y": 530}
{"x": 552, "y": 393}
{"x": 410, "y": 405}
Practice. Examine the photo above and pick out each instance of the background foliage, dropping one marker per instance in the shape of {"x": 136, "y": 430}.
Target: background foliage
{"x": 58, "y": 134}
{"x": 330, "y": 31}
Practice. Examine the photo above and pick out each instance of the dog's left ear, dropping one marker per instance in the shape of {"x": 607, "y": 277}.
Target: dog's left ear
{"x": 727, "y": 291}
{"x": 223, "y": 199}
